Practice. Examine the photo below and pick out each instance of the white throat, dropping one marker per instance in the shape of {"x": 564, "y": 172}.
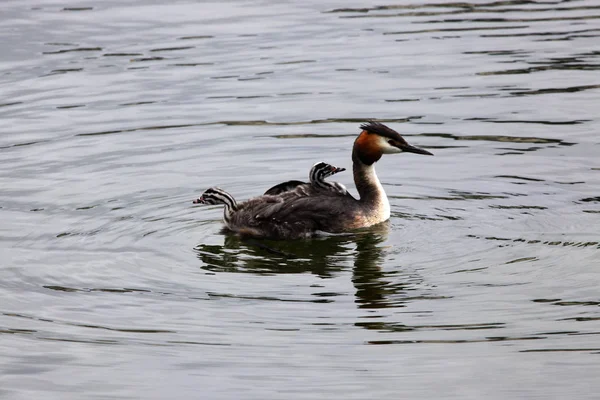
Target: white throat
{"x": 382, "y": 204}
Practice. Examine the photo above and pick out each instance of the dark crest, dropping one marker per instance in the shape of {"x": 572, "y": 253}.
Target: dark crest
{"x": 380, "y": 129}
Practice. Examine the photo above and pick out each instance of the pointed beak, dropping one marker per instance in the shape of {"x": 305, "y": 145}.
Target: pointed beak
{"x": 199, "y": 200}
{"x": 338, "y": 169}
{"x": 412, "y": 149}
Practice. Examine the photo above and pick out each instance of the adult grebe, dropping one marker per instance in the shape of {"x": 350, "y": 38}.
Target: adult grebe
{"x": 308, "y": 209}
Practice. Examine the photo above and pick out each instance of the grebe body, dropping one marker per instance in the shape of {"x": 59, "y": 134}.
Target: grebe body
{"x": 308, "y": 209}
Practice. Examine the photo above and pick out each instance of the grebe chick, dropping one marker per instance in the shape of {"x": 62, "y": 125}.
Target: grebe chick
{"x": 316, "y": 176}
{"x": 307, "y": 210}
{"x": 217, "y": 195}
{"x": 322, "y": 170}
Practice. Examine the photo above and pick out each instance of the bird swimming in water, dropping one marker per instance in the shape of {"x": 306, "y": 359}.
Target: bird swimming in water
{"x": 305, "y": 210}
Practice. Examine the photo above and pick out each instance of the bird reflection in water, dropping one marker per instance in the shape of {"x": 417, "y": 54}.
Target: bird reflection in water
{"x": 362, "y": 252}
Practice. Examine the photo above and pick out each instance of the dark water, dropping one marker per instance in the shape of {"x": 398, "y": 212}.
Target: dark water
{"x": 484, "y": 284}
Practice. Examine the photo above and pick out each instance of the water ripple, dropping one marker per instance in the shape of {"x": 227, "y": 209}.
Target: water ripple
{"x": 115, "y": 117}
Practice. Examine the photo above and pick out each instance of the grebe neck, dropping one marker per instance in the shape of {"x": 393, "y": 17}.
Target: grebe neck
{"x": 371, "y": 193}
{"x": 230, "y": 206}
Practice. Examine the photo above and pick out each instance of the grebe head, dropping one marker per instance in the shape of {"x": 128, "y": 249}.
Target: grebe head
{"x": 377, "y": 139}
{"x": 322, "y": 170}
{"x": 216, "y": 195}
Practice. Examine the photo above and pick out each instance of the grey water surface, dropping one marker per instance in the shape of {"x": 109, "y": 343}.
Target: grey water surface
{"x": 484, "y": 284}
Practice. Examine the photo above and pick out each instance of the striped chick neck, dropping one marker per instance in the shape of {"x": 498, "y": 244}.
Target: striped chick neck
{"x": 217, "y": 195}
{"x": 320, "y": 171}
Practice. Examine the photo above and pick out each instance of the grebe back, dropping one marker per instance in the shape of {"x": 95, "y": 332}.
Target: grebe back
{"x": 316, "y": 176}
